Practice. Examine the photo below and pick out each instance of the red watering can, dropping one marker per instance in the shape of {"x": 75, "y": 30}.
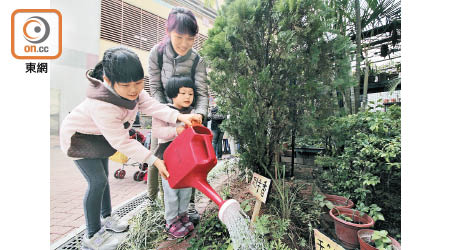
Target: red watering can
{"x": 189, "y": 158}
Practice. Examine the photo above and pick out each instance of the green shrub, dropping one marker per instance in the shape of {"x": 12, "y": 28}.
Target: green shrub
{"x": 363, "y": 162}
{"x": 300, "y": 216}
{"x": 211, "y": 233}
{"x": 271, "y": 227}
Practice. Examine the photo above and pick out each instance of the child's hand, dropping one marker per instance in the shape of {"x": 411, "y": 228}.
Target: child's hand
{"x": 187, "y": 118}
{"x": 159, "y": 164}
{"x": 180, "y": 129}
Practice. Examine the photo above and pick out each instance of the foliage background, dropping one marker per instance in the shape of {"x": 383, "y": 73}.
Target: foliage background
{"x": 363, "y": 162}
{"x": 275, "y": 66}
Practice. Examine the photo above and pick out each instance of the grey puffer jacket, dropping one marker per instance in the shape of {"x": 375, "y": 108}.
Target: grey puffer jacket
{"x": 180, "y": 65}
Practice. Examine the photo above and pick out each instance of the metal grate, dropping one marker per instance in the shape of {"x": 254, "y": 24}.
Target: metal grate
{"x": 152, "y": 30}
{"x": 131, "y": 32}
{"x": 74, "y": 243}
{"x": 130, "y": 25}
{"x": 111, "y": 20}
{"x": 131, "y": 205}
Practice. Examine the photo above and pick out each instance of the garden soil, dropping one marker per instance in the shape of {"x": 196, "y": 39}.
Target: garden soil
{"x": 238, "y": 190}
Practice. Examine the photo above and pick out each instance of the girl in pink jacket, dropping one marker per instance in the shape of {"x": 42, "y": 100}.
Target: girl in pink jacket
{"x": 98, "y": 127}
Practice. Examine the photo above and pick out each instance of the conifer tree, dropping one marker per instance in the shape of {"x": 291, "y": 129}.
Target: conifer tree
{"x": 275, "y": 67}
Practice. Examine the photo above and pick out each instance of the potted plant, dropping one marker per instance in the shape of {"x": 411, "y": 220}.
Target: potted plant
{"x": 330, "y": 201}
{"x": 376, "y": 240}
{"x": 339, "y": 201}
{"x": 347, "y": 222}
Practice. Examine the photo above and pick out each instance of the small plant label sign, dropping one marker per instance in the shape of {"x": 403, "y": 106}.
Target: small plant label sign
{"x": 259, "y": 187}
{"x": 322, "y": 242}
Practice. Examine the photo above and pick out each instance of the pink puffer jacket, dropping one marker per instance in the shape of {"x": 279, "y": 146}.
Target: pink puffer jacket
{"x": 99, "y": 126}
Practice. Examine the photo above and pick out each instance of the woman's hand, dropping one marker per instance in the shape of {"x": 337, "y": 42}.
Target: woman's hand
{"x": 180, "y": 129}
{"x": 159, "y": 164}
{"x": 187, "y": 118}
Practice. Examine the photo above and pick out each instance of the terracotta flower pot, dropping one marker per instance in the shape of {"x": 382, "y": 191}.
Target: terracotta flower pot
{"x": 364, "y": 236}
{"x": 339, "y": 201}
{"x": 347, "y": 231}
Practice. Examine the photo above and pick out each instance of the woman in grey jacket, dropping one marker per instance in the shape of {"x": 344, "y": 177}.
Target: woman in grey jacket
{"x": 175, "y": 56}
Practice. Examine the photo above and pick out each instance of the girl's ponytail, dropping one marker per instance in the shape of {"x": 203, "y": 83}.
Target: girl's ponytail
{"x": 97, "y": 73}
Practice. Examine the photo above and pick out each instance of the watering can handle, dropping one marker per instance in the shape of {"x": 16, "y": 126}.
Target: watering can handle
{"x": 210, "y": 150}
{"x": 194, "y": 123}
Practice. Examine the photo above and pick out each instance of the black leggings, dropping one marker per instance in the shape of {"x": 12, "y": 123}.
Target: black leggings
{"x": 97, "y": 198}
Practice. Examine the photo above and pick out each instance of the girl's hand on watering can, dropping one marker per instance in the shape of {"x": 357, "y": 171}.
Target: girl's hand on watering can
{"x": 180, "y": 129}
{"x": 159, "y": 164}
{"x": 188, "y": 118}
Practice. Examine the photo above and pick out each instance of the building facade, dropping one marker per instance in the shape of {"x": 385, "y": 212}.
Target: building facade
{"x": 92, "y": 26}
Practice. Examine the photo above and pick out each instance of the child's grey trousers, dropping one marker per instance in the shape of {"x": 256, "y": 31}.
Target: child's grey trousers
{"x": 176, "y": 201}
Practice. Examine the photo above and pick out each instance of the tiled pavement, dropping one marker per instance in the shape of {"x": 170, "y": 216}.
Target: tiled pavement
{"x": 67, "y": 188}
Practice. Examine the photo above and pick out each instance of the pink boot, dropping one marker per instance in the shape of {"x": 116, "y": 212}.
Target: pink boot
{"x": 176, "y": 229}
{"x": 184, "y": 218}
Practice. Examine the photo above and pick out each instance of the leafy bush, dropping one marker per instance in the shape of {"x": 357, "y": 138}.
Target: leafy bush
{"x": 272, "y": 229}
{"x": 211, "y": 233}
{"x": 300, "y": 215}
{"x": 363, "y": 162}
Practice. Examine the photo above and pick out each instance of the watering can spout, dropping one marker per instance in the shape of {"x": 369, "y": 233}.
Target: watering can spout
{"x": 228, "y": 207}
{"x": 203, "y": 186}
{"x": 189, "y": 158}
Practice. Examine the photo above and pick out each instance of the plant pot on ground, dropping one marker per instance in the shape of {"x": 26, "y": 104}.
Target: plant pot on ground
{"x": 336, "y": 201}
{"x": 347, "y": 222}
{"x": 339, "y": 201}
{"x": 367, "y": 243}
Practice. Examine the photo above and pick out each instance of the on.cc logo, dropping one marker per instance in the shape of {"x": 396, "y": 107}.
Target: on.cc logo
{"x": 36, "y": 34}
{"x": 36, "y": 29}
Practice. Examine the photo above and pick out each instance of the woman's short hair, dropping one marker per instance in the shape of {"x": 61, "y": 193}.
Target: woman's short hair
{"x": 182, "y": 21}
{"x": 176, "y": 82}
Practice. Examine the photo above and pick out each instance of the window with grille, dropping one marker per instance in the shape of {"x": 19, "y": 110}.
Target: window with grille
{"x": 129, "y": 25}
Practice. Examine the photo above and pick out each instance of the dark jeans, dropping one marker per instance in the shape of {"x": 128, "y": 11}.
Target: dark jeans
{"x": 217, "y": 142}
{"x": 97, "y": 198}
